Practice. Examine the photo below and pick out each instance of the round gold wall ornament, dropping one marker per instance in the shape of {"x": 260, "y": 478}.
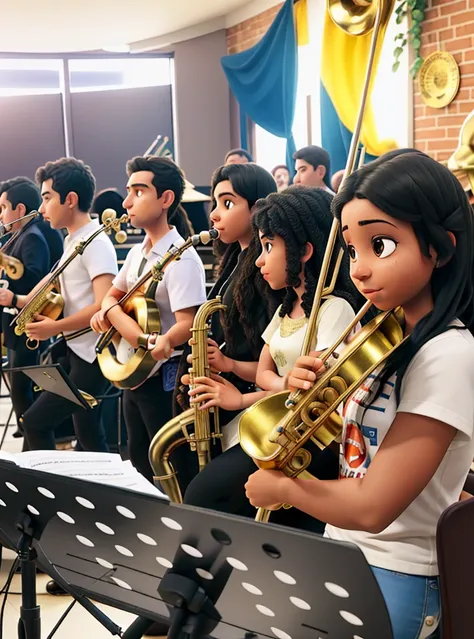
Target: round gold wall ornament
{"x": 439, "y": 79}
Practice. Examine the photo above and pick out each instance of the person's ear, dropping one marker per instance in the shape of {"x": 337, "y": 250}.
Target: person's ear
{"x": 308, "y": 252}
{"x": 167, "y": 198}
{"x": 72, "y": 200}
{"x": 434, "y": 256}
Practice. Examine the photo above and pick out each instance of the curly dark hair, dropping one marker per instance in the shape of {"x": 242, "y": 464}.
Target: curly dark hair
{"x": 167, "y": 176}
{"x": 302, "y": 214}
{"x": 410, "y": 186}
{"x": 252, "y": 182}
{"x": 69, "y": 175}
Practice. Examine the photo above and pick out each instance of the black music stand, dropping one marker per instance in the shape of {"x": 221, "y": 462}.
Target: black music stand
{"x": 54, "y": 379}
{"x": 208, "y": 574}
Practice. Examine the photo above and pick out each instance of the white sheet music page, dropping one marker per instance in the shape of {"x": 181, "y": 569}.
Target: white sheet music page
{"x": 104, "y": 468}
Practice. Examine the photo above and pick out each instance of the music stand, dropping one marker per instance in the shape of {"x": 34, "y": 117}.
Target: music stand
{"x": 207, "y": 573}
{"x": 54, "y": 379}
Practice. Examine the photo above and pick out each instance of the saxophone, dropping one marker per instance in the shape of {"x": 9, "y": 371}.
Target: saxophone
{"x": 140, "y": 304}
{"x": 175, "y": 432}
{"x": 48, "y": 300}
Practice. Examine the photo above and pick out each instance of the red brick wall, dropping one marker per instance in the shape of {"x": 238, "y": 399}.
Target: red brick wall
{"x": 244, "y": 35}
{"x": 449, "y": 26}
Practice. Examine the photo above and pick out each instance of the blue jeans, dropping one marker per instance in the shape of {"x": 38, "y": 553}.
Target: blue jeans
{"x": 413, "y": 603}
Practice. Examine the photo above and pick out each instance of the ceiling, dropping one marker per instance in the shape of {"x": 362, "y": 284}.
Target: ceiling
{"x": 68, "y": 25}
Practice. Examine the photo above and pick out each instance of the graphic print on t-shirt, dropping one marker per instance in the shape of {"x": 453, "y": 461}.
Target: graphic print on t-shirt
{"x": 360, "y": 438}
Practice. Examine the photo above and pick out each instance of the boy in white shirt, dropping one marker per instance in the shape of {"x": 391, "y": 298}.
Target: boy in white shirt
{"x": 67, "y": 189}
{"x": 155, "y": 188}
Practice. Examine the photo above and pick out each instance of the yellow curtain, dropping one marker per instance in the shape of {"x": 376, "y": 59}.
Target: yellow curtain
{"x": 343, "y": 69}
{"x": 301, "y": 22}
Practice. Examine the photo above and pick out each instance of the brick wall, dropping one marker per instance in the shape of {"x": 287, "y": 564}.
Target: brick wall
{"x": 449, "y": 26}
{"x": 244, "y": 35}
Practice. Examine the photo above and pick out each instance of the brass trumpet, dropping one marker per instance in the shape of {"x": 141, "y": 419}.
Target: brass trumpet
{"x": 274, "y": 430}
{"x": 12, "y": 265}
{"x": 48, "y": 300}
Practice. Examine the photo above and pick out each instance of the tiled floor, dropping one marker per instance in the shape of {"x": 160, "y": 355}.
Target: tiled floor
{"x": 79, "y": 624}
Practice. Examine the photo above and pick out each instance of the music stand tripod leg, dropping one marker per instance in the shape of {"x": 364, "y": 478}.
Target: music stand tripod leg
{"x": 29, "y": 625}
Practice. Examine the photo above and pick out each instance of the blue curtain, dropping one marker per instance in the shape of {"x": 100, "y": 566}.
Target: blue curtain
{"x": 336, "y": 138}
{"x": 264, "y": 79}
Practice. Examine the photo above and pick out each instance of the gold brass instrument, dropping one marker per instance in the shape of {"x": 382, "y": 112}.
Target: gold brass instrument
{"x": 461, "y": 163}
{"x": 274, "y": 430}
{"x": 48, "y": 300}
{"x": 175, "y": 432}
{"x": 133, "y": 369}
{"x": 12, "y": 265}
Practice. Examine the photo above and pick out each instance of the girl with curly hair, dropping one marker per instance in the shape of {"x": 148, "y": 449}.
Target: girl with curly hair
{"x": 292, "y": 228}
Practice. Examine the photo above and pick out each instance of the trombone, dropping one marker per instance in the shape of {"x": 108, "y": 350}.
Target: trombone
{"x": 274, "y": 430}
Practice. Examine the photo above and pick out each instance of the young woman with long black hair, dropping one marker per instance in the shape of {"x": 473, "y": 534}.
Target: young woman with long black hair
{"x": 407, "y": 443}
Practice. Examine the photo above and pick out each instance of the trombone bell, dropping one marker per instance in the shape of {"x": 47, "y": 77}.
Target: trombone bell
{"x": 357, "y": 17}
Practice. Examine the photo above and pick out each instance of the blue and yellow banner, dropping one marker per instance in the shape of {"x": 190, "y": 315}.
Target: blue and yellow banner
{"x": 343, "y": 69}
{"x": 301, "y": 22}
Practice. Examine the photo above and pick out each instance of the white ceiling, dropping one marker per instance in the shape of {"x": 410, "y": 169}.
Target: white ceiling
{"x": 32, "y": 26}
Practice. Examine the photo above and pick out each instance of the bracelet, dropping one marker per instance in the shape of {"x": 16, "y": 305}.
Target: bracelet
{"x": 14, "y": 300}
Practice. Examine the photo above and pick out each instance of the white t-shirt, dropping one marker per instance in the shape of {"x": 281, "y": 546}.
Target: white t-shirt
{"x": 98, "y": 258}
{"x": 438, "y": 383}
{"x": 285, "y": 346}
{"x": 285, "y": 336}
{"x": 183, "y": 284}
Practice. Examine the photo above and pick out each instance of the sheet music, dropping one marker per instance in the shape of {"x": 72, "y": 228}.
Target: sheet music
{"x": 104, "y": 468}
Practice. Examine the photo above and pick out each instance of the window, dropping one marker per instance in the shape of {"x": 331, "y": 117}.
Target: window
{"x": 118, "y": 73}
{"x": 30, "y": 76}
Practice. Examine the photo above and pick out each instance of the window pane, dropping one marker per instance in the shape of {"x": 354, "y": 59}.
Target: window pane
{"x": 118, "y": 73}
{"x": 28, "y": 76}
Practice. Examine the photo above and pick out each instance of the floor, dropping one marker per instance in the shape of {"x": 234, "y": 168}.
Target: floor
{"x": 79, "y": 624}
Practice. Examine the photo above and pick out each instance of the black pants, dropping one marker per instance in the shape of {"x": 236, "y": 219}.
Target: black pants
{"x": 220, "y": 486}
{"x": 50, "y": 410}
{"x": 146, "y": 409}
{"x": 21, "y": 386}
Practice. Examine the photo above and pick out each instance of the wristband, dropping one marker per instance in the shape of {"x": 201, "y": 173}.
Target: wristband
{"x": 14, "y": 300}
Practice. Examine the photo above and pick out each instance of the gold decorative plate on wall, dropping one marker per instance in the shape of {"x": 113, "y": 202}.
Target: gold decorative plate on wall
{"x": 439, "y": 79}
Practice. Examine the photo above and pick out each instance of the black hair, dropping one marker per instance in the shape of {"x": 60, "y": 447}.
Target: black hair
{"x": 251, "y": 182}
{"x": 242, "y": 152}
{"x": 316, "y": 156}
{"x": 298, "y": 215}
{"x": 410, "y": 186}
{"x": 167, "y": 176}
{"x": 22, "y": 190}
{"x": 108, "y": 199}
{"x": 69, "y": 175}
{"x": 180, "y": 220}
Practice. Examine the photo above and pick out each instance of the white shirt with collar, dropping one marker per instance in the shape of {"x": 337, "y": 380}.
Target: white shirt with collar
{"x": 183, "y": 284}
{"x": 99, "y": 258}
